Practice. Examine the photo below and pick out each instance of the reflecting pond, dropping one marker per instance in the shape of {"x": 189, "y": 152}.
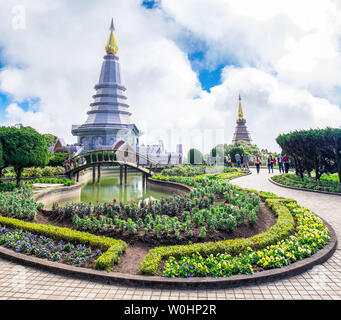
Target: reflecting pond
{"x": 109, "y": 189}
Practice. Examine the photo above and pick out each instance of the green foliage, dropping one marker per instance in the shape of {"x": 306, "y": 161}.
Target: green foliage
{"x": 314, "y": 149}
{"x": 311, "y": 236}
{"x": 308, "y": 183}
{"x": 184, "y": 171}
{"x": 282, "y": 229}
{"x": 234, "y": 151}
{"x": 37, "y": 172}
{"x": 57, "y": 159}
{"x": 2, "y": 162}
{"x": 195, "y": 156}
{"x": 18, "y": 204}
{"x": 217, "y": 151}
{"x": 8, "y": 186}
{"x": 114, "y": 248}
{"x": 23, "y": 147}
{"x": 64, "y": 181}
{"x": 50, "y": 139}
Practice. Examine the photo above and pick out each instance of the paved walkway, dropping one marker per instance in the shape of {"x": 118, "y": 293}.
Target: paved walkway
{"x": 321, "y": 282}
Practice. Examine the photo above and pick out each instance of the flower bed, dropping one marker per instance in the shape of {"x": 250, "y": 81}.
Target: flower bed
{"x": 214, "y": 205}
{"x": 311, "y": 236}
{"x": 113, "y": 248}
{"x": 193, "y": 171}
{"x": 292, "y": 180}
{"x": 36, "y": 172}
{"x": 18, "y": 204}
{"x": 282, "y": 229}
{"x": 48, "y": 248}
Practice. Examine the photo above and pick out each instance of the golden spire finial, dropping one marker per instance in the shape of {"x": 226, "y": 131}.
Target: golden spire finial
{"x": 240, "y": 109}
{"x": 111, "y": 47}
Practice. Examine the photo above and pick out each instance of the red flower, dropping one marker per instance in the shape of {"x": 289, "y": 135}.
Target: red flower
{"x": 114, "y": 200}
{"x": 150, "y": 203}
{"x": 133, "y": 201}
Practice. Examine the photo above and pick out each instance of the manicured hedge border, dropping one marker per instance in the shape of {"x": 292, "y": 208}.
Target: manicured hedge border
{"x": 303, "y": 189}
{"x": 285, "y": 224}
{"x": 114, "y": 248}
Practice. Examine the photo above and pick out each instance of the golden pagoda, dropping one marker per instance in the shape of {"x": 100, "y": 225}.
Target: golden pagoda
{"x": 241, "y": 132}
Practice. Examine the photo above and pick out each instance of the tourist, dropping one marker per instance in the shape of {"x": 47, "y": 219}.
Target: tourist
{"x": 270, "y": 162}
{"x": 246, "y": 160}
{"x": 228, "y": 161}
{"x": 286, "y": 162}
{"x": 257, "y": 163}
{"x": 237, "y": 157}
{"x": 280, "y": 164}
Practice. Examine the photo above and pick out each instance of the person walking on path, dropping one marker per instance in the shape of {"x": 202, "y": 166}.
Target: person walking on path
{"x": 237, "y": 156}
{"x": 286, "y": 162}
{"x": 246, "y": 161}
{"x": 280, "y": 164}
{"x": 228, "y": 161}
{"x": 257, "y": 163}
{"x": 270, "y": 163}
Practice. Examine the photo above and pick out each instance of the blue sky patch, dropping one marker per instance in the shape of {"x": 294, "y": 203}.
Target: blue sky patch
{"x": 149, "y": 4}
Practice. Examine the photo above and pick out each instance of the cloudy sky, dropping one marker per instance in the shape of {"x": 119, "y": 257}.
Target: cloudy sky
{"x": 183, "y": 62}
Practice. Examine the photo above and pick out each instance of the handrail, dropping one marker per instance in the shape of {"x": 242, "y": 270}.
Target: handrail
{"x": 111, "y": 155}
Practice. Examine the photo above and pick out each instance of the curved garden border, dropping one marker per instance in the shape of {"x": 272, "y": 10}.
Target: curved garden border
{"x": 200, "y": 283}
{"x": 303, "y": 189}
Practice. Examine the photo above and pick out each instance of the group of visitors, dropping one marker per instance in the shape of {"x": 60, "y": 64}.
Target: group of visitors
{"x": 242, "y": 161}
{"x": 283, "y": 163}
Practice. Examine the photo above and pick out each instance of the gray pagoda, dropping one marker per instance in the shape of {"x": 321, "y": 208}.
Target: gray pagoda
{"x": 241, "y": 133}
{"x": 109, "y": 120}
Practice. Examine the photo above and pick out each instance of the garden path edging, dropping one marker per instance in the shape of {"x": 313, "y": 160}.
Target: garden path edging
{"x": 302, "y": 189}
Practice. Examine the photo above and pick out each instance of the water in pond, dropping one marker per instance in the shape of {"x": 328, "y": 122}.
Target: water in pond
{"x": 109, "y": 189}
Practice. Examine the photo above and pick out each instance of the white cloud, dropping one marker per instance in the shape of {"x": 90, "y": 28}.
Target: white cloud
{"x": 292, "y": 46}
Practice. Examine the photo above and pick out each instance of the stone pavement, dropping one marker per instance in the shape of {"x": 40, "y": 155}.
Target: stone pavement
{"x": 321, "y": 282}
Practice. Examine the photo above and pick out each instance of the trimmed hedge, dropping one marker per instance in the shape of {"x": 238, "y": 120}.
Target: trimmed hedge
{"x": 114, "y": 248}
{"x": 285, "y": 224}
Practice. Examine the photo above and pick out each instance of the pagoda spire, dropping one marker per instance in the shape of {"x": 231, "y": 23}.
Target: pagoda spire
{"x": 111, "y": 47}
{"x": 240, "y": 109}
{"x": 241, "y": 132}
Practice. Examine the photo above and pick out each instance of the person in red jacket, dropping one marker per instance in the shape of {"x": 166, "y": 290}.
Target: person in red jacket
{"x": 286, "y": 162}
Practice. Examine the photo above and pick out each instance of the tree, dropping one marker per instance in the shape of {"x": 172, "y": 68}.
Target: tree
{"x": 234, "y": 151}
{"x": 195, "y": 156}
{"x": 2, "y": 162}
{"x": 50, "y": 139}
{"x": 314, "y": 149}
{"x": 218, "y": 151}
{"x": 23, "y": 147}
{"x": 57, "y": 159}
